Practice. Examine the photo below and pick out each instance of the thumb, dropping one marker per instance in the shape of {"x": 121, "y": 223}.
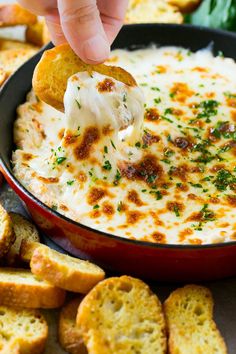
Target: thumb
{"x": 83, "y": 29}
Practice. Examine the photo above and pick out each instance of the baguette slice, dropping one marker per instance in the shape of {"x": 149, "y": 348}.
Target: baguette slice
{"x": 15, "y": 15}
{"x": 24, "y": 230}
{"x": 22, "y": 331}
{"x": 70, "y": 336}
{"x": 122, "y": 315}
{"x": 7, "y": 236}
{"x": 185, "y": 6}
{"x": 38, "y": 33}
{"x": 27, "y": 249}
{"x": 20, "y": 288}
{"x": 64, "y": 271}
{"x": 12, "y": 59}
{"x": 189, "y": 315}
{"x": 57, "y": 65}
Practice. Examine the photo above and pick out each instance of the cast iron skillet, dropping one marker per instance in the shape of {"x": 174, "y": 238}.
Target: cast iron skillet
{"x": 148, "y": 260}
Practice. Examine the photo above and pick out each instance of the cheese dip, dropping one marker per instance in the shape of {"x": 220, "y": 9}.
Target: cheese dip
{"x": 153, "y": 163}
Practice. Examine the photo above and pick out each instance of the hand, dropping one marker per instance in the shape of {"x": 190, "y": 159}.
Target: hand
{"x": 89, "y": 26}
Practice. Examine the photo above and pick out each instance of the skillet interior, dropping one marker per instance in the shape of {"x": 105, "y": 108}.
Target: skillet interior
{"x": 131, "y": 36}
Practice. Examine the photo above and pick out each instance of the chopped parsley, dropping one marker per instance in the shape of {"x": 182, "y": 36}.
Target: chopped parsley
{"x": 113, "y": 145}
{"x": 78, "y": 104}
{"x": 208, "y": 109}
{"x": 96, "y": 206}
{"x": 119, "y": 207}
{"x": 224, "y": 179}
{"x": 60, "y": 160}
{"x": 69, "y": 183}
{"x": 154, "y": 88}
{"x": 176, "y": 210}
{"x": 107, "y": 165}
{"x": 105, "y": 149}
{"x": 117, "y": 177}
{"x": 157, "y": 100}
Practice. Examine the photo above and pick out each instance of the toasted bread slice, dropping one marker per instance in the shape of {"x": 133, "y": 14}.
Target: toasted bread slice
{"x": 26, "y": 250}
{"x": 3, "y": 77}
{"x": 6, "y": 44}
{"x": 20, "y": 288}
{"x": 189, "y": 315}
{"x": 1, "y": 176}
{"x": 38, "y": 33}
{"x": 70, "y": 335}
{"x": 146, "y": 11}
{"x": 122, "y": 315}
{"x": 185, "y": 6}
{"x": 7, "y": 236}
{"x": 12, "y": 59}
{"x": 22, "y": 331}
{"x": 15, "y": 15}
{"x": 64, "y": 271}
{"x": 57, "y": 65}
{"x": 24, "y": 230}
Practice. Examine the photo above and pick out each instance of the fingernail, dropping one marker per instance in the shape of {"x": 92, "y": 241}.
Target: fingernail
{"x": 96, "y": 49}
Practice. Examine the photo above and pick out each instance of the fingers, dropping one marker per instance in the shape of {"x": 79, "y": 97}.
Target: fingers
{"x": 54, "y": 27}
{"x": 83, "y": 29}
{"x": 112, "y": 14}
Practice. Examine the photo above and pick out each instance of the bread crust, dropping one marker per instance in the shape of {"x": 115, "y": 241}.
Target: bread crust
{"x": 57, "y": 65}
{"x": 22, "y": 331}
{"x": 24, "y": 230}
{"x": 190, "y": 324}
{"x": 185, "y": 6}
{"x": 14, "y": 15}
{"x": 122, "y": 315}
{"x": 7, "y": 236}
{"x": 70, "y": 335}
{"x": 20, "y": 288}
{"x": 37, "y": 33}
{"x": 26, "y": 250}
{"x": 64, "y": 271}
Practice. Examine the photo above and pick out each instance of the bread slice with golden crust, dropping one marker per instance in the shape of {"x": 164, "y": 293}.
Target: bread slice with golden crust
{"x": 57, "y": 65}
{"x": 24, "y": 230}
{"x": 70, "y": 335}
{"x": 185, "y": 6}
{"x": 3, "y": 78}
{"x": 14, "y": 15}
{"x": 7, "y": 236}
{"x": 20, "y": 288}
{"x": 122, "y": 315}
{"x": 190, "y": 324}
{"x": 26, "y": 250}
{"x": 22, "y": 331}
{"x": 37, "y": 33}
{"x": 6, "y": 44}
{"x": 63, "y": 271}
{"x": 12, "y": 59}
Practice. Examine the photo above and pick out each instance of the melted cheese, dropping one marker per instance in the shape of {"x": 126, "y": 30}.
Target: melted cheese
{"x": 176, "y": 184}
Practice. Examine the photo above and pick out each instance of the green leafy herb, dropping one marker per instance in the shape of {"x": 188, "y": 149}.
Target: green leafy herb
{"x": 105, "y": 149}
{"x": 78, "y": 104}
{"x": 107, "y": 165}
{"x": 60, "y": 160}
{"x": 96, "y": 206}
{"x": 112, "y": 143}
{"x": 120, "y": 206}
{"x": 69, "y": 183}
{"x": 117, "y": 177}
{"x": 224, "y": 179}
